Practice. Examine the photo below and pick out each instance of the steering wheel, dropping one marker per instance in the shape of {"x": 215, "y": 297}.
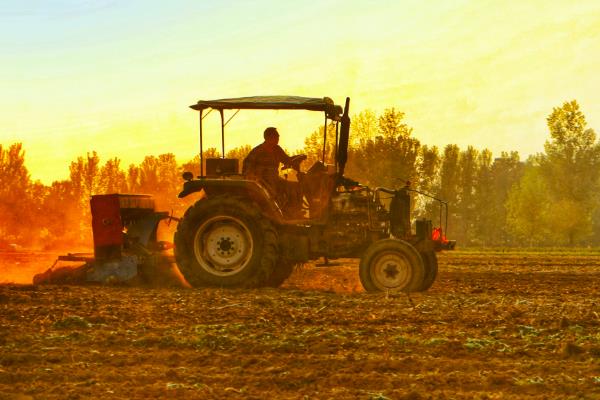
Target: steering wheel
{"x": 295, "y": 161}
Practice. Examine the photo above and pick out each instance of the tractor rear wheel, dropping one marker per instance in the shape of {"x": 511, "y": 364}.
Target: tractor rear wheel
{"x": 431, "y": 269}
{"x": 225, "y": 242}
{"x": 391, "y": 265}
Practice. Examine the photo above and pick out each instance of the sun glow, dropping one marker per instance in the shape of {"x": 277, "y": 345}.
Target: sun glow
{"x": 117, "y": 78}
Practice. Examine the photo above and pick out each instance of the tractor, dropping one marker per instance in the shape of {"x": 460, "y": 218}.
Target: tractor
{"x": 238, "y": 234}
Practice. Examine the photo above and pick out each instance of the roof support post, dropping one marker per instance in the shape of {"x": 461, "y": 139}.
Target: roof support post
{"x": 324, "y": 138}
{"x": 337, "y": 130}
{"x": 201, "y": 156}
{"x": 222, "y": 134}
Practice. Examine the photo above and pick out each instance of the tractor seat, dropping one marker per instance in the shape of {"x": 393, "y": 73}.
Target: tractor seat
{"x": 317, "y": 186}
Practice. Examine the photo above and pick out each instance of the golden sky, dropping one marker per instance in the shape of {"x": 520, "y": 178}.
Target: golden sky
{"x": 118, "y": 76}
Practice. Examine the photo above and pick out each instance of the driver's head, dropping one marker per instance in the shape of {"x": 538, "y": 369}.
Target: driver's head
{"x": 271, "y": 135}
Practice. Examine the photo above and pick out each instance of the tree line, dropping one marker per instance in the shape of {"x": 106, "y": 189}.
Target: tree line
{"x": 549, "y": 199}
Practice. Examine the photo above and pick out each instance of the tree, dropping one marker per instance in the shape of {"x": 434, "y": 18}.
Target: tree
{"x": 61, "y": 219}
{"x": 506, "y": 171}
{"x": 428, "y": 167}
{"x": 391, "y": 125}
{"x": 85, "y": 176}
{"x": 161, "y": 177}
{"x": 363, "y": 128}
{"x": 528, "y": 208}
{"x": 133, "y": 178}
{"x": 570, "y": 167}
{"x": 465, "y": 206}
{"x": 450, "y": 174}
{"x": 313, "y": 145}
{"x": 112, "y": 178}
{"x": 388, "y": 159}
{"x": 193, "y": 165}
{"x": 449, "y": 183}
{"x": 15, "y": 201}
{"x": 239, "y": 153}
{"x": 148, "y": 180}
{"x": 85, "y": 182}
{"x": 486, "y": 220}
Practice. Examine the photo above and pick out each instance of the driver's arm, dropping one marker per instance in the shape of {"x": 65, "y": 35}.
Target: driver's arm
{"x": 282, "y": 157}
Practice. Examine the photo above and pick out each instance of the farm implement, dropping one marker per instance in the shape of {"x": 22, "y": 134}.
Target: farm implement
{"x": 126, "y": 248}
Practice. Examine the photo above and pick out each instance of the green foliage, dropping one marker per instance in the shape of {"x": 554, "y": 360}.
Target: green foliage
{"x": 478, "y": 344}
{"x": 85, "y": 177}
{"x": 363, "y": 127}
{"x": 449, "y": 174}
{"x": 571, "y": 171}
{"x": 239, "y": 153}
{"x": 193, "y": 165}
{"x": 158, "y": 176}
{"x": 428, "y": 167}
{"x": 506, "y": 170}
{"x": 112, "y": 178}
{"x": 484, "y": 229}
{"x": 475, "y": 188}
{"x": 550, "y": 200}
{"x": 559, "y": 192}
{"x": 15, "y": 195}
{"x": 313, "y": 145}
{"x": 467, "y": 186}
{"x": 391, "y": 126}
{"x": 390, "y": 158}
{"x": 528, "y": 207}
{"x": 61, "y": 215}
{"x": 72, "y": 322}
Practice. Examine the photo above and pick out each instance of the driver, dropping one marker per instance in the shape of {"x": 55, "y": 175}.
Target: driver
{"x": 263, "y": 161}
{"x": 262, "y": 164}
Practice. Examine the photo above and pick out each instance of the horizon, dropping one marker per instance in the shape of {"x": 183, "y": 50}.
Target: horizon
{"x": 117, "y": 78}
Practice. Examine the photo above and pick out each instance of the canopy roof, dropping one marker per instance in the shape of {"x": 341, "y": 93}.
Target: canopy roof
{"x": 273, "y": 103}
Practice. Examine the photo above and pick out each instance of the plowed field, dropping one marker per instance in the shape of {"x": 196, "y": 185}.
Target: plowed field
{"x": 494, "y": 325}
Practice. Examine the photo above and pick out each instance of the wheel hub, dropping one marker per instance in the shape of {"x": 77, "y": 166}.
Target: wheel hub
{"x": 391, "y": 271}
{"x": 223, "y": 245}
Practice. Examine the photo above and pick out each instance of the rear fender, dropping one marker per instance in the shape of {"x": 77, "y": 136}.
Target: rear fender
{"x": 244, "y": 188}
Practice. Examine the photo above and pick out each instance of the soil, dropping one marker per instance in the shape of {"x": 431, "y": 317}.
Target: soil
{"x": 495, "y": 325}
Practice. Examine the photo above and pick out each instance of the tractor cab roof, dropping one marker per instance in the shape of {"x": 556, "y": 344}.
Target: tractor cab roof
{"x": 332, "y": 112}
{"x": 324, "y": 104}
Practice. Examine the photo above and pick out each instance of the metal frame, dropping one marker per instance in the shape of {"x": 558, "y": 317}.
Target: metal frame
{"x": 443, "y": 206}
{"x": 224, "y": 123}
{"x": 330, "y": 110}
{"x": 337, "y": 125}
{"x": 201, "y": 151}
{"x": 443, "y": 203}
{"x": 324, "y": 138}
{"x": 337, "y": 131}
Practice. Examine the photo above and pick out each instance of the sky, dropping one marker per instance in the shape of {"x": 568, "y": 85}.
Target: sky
{"x": 117, "y": 77}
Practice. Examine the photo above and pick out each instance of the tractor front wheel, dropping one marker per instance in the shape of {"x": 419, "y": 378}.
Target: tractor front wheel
{"x": 431, "y": 269}
{"x": 391, "y": 265}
